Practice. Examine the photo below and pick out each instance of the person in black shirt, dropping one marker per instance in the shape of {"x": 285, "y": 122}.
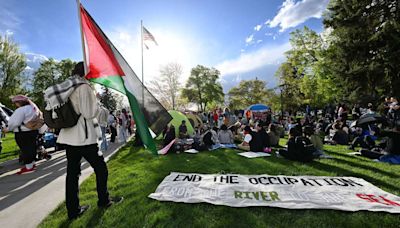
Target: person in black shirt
{"x": 169, "y": 135}
{"x": 255, "y": 143}
{"x": 263, "y": 136}
{"x": 183, "y": 130}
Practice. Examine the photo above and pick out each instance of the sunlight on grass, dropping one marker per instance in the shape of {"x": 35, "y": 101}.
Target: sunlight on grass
{"x": 10, "y": 148}
{"x": 135, "y": 173}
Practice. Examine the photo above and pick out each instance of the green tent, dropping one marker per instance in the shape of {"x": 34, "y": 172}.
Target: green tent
{"x": 176, "y": 121}
{"x": 194, "y": 120}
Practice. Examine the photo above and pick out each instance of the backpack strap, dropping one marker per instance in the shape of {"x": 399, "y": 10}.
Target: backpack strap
{"x": 86, "y": 130}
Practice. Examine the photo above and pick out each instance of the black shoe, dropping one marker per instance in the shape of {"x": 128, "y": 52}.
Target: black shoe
{"x": 82, "y": 210}
{"x": 113, "y": 200}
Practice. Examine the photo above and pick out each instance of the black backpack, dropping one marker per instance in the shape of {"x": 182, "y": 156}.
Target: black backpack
{"x": 304, "y": 149}
{"x": 65, "y": 116}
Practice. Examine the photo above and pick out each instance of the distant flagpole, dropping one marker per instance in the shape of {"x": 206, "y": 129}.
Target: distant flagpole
{"x": 141, "y": 33}
{"x": 78, "y": 2}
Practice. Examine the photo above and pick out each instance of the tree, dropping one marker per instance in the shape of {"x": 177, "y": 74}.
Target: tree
{"x": 364, "y": 52}
{"x": 305, "y": 77}
{"x": 50, "y": 73}
{"x": 291, "y": 95}
{"x": 248, "y": 92}
{"x": 203, "y": 87}
{"x": 12, "y": 65}
{"x": 167, "y": 86}
{"x": 109, "y": 99}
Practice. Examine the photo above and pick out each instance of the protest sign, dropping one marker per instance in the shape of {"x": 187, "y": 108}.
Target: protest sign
{"x": 292, "y": 192}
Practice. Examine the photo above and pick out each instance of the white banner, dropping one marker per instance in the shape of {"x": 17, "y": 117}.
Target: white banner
{"x": 292, "y": 192}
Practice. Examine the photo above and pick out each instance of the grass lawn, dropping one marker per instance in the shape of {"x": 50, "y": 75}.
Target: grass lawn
{"x": 10, "y": 148}
{"x": 135, "y": 173}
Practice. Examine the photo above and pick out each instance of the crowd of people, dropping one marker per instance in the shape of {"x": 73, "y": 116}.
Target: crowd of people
{"x": 88, "y": 122}
{"x": 72, "y": 105}
{"x": 377, "y": 138}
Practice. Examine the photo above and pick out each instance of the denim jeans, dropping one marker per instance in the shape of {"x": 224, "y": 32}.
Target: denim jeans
{"x": 104, "y": 145}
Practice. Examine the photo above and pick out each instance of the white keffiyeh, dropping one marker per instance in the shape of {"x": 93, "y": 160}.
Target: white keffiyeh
{"x": 57, "y": 95}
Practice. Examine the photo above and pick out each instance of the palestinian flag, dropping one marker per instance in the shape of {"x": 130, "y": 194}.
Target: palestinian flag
{"x": 106, "y": 66}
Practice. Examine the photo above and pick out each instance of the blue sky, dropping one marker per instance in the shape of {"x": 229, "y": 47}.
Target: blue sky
{"x": 243, "y": 39}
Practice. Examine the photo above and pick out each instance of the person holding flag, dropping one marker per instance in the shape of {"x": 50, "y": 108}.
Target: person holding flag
{"x": 81, "y": 141}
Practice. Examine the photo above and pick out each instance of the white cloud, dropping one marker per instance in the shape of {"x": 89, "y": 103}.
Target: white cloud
{"x": 269, "y": 34}
{"x": 250, "y": 39}
{"x": 35, "y": 58}
{"x": 259, "y": 41}
{"x": 247, "y": 62}
{"x": 293, "y": 13}
{"x": 258, "y": 28}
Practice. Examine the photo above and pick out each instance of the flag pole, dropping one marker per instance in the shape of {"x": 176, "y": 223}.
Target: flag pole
{"x": 141, "y": 34}
{"x": 78, "y": 2}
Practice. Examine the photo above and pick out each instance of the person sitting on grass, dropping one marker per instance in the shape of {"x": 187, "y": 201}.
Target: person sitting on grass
{"x": 225, "y": 136}
{"x": 298, "y": 148}
{"x": 251, "y": 142}
{"x": 245, "y": 145}
{"x": 364, "y": 138}
{"x": 169, "y": 135}
{"x": 183, "y": 133}
{"x": 389, "y": 151}
{"x": 273, "y": 135}
{"x": 339, "y": 135}
{"x": 315, "y": 140}
{"x": 208, "y": 138}
{"x": 263, "y": 136}
{"x": 392, "y": 147}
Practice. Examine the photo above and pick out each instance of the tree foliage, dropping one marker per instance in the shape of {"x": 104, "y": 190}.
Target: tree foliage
{"x": 203, "y": 87}
{"x": 354, "y": 60}
{"x": 12, "y": 65}
{"x": 110, "y": 99}
{"x": 248, "y": 92}
{"x": 50, "y": 73}
{"x": 365, "y": 48}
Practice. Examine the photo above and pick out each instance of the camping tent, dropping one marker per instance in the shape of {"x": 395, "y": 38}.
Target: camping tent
{"x": 258, "y": 108}
{"x": 194, "y": 120}
{"x": 258, "y": 111}
{"x": 176, "y": 121}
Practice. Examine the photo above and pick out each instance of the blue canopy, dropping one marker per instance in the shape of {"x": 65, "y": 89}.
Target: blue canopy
{"x": 258, "y": 107}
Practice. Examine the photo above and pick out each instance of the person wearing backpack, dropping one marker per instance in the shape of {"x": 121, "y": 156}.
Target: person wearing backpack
{"x": 299, "y": 148}
{"x": 25, "y": 124}
{"x": 80, "y": 139}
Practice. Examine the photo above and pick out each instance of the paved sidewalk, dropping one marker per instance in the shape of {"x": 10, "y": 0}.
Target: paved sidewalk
{"x": 36, "y": 194}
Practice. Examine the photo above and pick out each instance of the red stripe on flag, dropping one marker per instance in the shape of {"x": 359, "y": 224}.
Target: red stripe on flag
{"x": 102, "y": 61}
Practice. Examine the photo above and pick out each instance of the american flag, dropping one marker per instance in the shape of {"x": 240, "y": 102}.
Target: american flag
{"x": 148, "y": 36}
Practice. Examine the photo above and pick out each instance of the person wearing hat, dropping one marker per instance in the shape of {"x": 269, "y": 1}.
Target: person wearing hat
{"x": 24, "y": 137}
